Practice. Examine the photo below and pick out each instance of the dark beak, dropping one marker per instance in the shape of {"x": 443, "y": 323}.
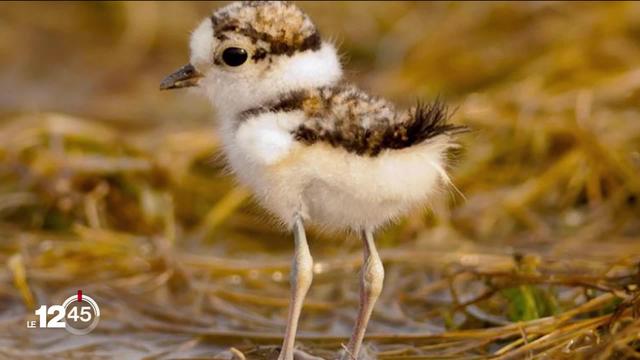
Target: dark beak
{"x": 186, "y": 76}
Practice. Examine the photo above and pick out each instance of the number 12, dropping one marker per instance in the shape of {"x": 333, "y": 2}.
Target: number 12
{"x": 56, "y": 321}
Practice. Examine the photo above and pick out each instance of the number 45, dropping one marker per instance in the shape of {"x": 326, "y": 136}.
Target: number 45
{"x": 85, "y": 314}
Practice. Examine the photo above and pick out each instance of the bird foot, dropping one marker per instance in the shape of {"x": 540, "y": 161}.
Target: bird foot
{"x": 301, "y": 355}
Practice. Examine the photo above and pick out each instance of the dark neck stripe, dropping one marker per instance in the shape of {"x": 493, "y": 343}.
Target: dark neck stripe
{"x": 290, "y": 102}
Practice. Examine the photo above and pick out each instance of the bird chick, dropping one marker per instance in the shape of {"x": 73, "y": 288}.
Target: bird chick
{"x": 313, "y": 148}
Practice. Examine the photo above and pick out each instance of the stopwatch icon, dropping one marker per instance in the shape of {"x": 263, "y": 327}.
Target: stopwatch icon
{"x": 82, "y": 314}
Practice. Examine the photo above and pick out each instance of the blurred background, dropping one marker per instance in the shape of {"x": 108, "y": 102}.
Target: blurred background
{"x": 113, "y": 187}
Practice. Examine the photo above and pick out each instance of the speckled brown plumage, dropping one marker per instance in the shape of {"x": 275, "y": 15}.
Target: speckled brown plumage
{"x": 275, "y": 26}
{"x": 346, "y": 117}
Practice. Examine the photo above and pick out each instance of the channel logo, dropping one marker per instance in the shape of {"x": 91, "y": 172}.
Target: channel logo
{"x": 79, "y": 314}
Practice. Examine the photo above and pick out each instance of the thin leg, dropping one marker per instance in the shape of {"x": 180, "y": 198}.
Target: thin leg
{"x": 370, "y": 289}
{"x": 301, "y": 277}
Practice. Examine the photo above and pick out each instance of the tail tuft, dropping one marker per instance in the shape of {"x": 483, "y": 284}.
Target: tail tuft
{"x": 421, "y": 123}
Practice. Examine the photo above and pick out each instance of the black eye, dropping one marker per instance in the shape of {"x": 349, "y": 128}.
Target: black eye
{"x": 234, "y": 56}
